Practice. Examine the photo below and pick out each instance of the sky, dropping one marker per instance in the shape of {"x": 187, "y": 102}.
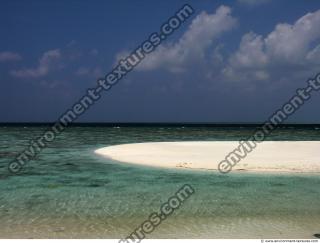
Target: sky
{"x": 242, "y": 60}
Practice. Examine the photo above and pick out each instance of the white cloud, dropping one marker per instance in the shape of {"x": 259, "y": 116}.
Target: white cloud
{"x": 288, "y": 53}
{"x": 291, "y": 42}
{"x": 287, "y": 45}
{"x": 7, "y": 56}
{"x": 192, "y": 46}
{"x": 46, "y": 63}
{"x": 250, "y": 53}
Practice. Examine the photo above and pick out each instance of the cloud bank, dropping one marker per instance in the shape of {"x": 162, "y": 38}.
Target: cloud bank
{"x": 289, "y": 46}
{"x": 46, "y": 63}
{"x": 193, "y": 44}
{"x": 288, "y": 50}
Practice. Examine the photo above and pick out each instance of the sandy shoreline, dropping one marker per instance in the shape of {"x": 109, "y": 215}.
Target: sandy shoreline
{"x": 275, "y": 156}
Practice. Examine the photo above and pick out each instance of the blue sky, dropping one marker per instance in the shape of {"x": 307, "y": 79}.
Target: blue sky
{"x": 242, "y": 61}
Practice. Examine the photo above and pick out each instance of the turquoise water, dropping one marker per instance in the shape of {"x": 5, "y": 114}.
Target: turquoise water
{"x": 69, "y": 192}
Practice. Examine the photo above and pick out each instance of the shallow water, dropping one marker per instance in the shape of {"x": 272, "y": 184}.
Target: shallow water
{"x": 69, "y": 192}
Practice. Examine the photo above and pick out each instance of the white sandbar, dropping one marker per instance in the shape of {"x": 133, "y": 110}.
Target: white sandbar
{"x": 277, "y": 156}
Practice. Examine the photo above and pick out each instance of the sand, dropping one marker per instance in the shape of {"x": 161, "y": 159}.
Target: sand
{"x": 273, "y": 156}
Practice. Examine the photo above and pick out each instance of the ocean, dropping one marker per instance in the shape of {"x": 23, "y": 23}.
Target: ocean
{"x": 70, "y": 192}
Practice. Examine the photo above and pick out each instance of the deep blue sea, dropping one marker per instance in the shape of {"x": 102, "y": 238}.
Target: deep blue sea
{"x": 70, "y": 192}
